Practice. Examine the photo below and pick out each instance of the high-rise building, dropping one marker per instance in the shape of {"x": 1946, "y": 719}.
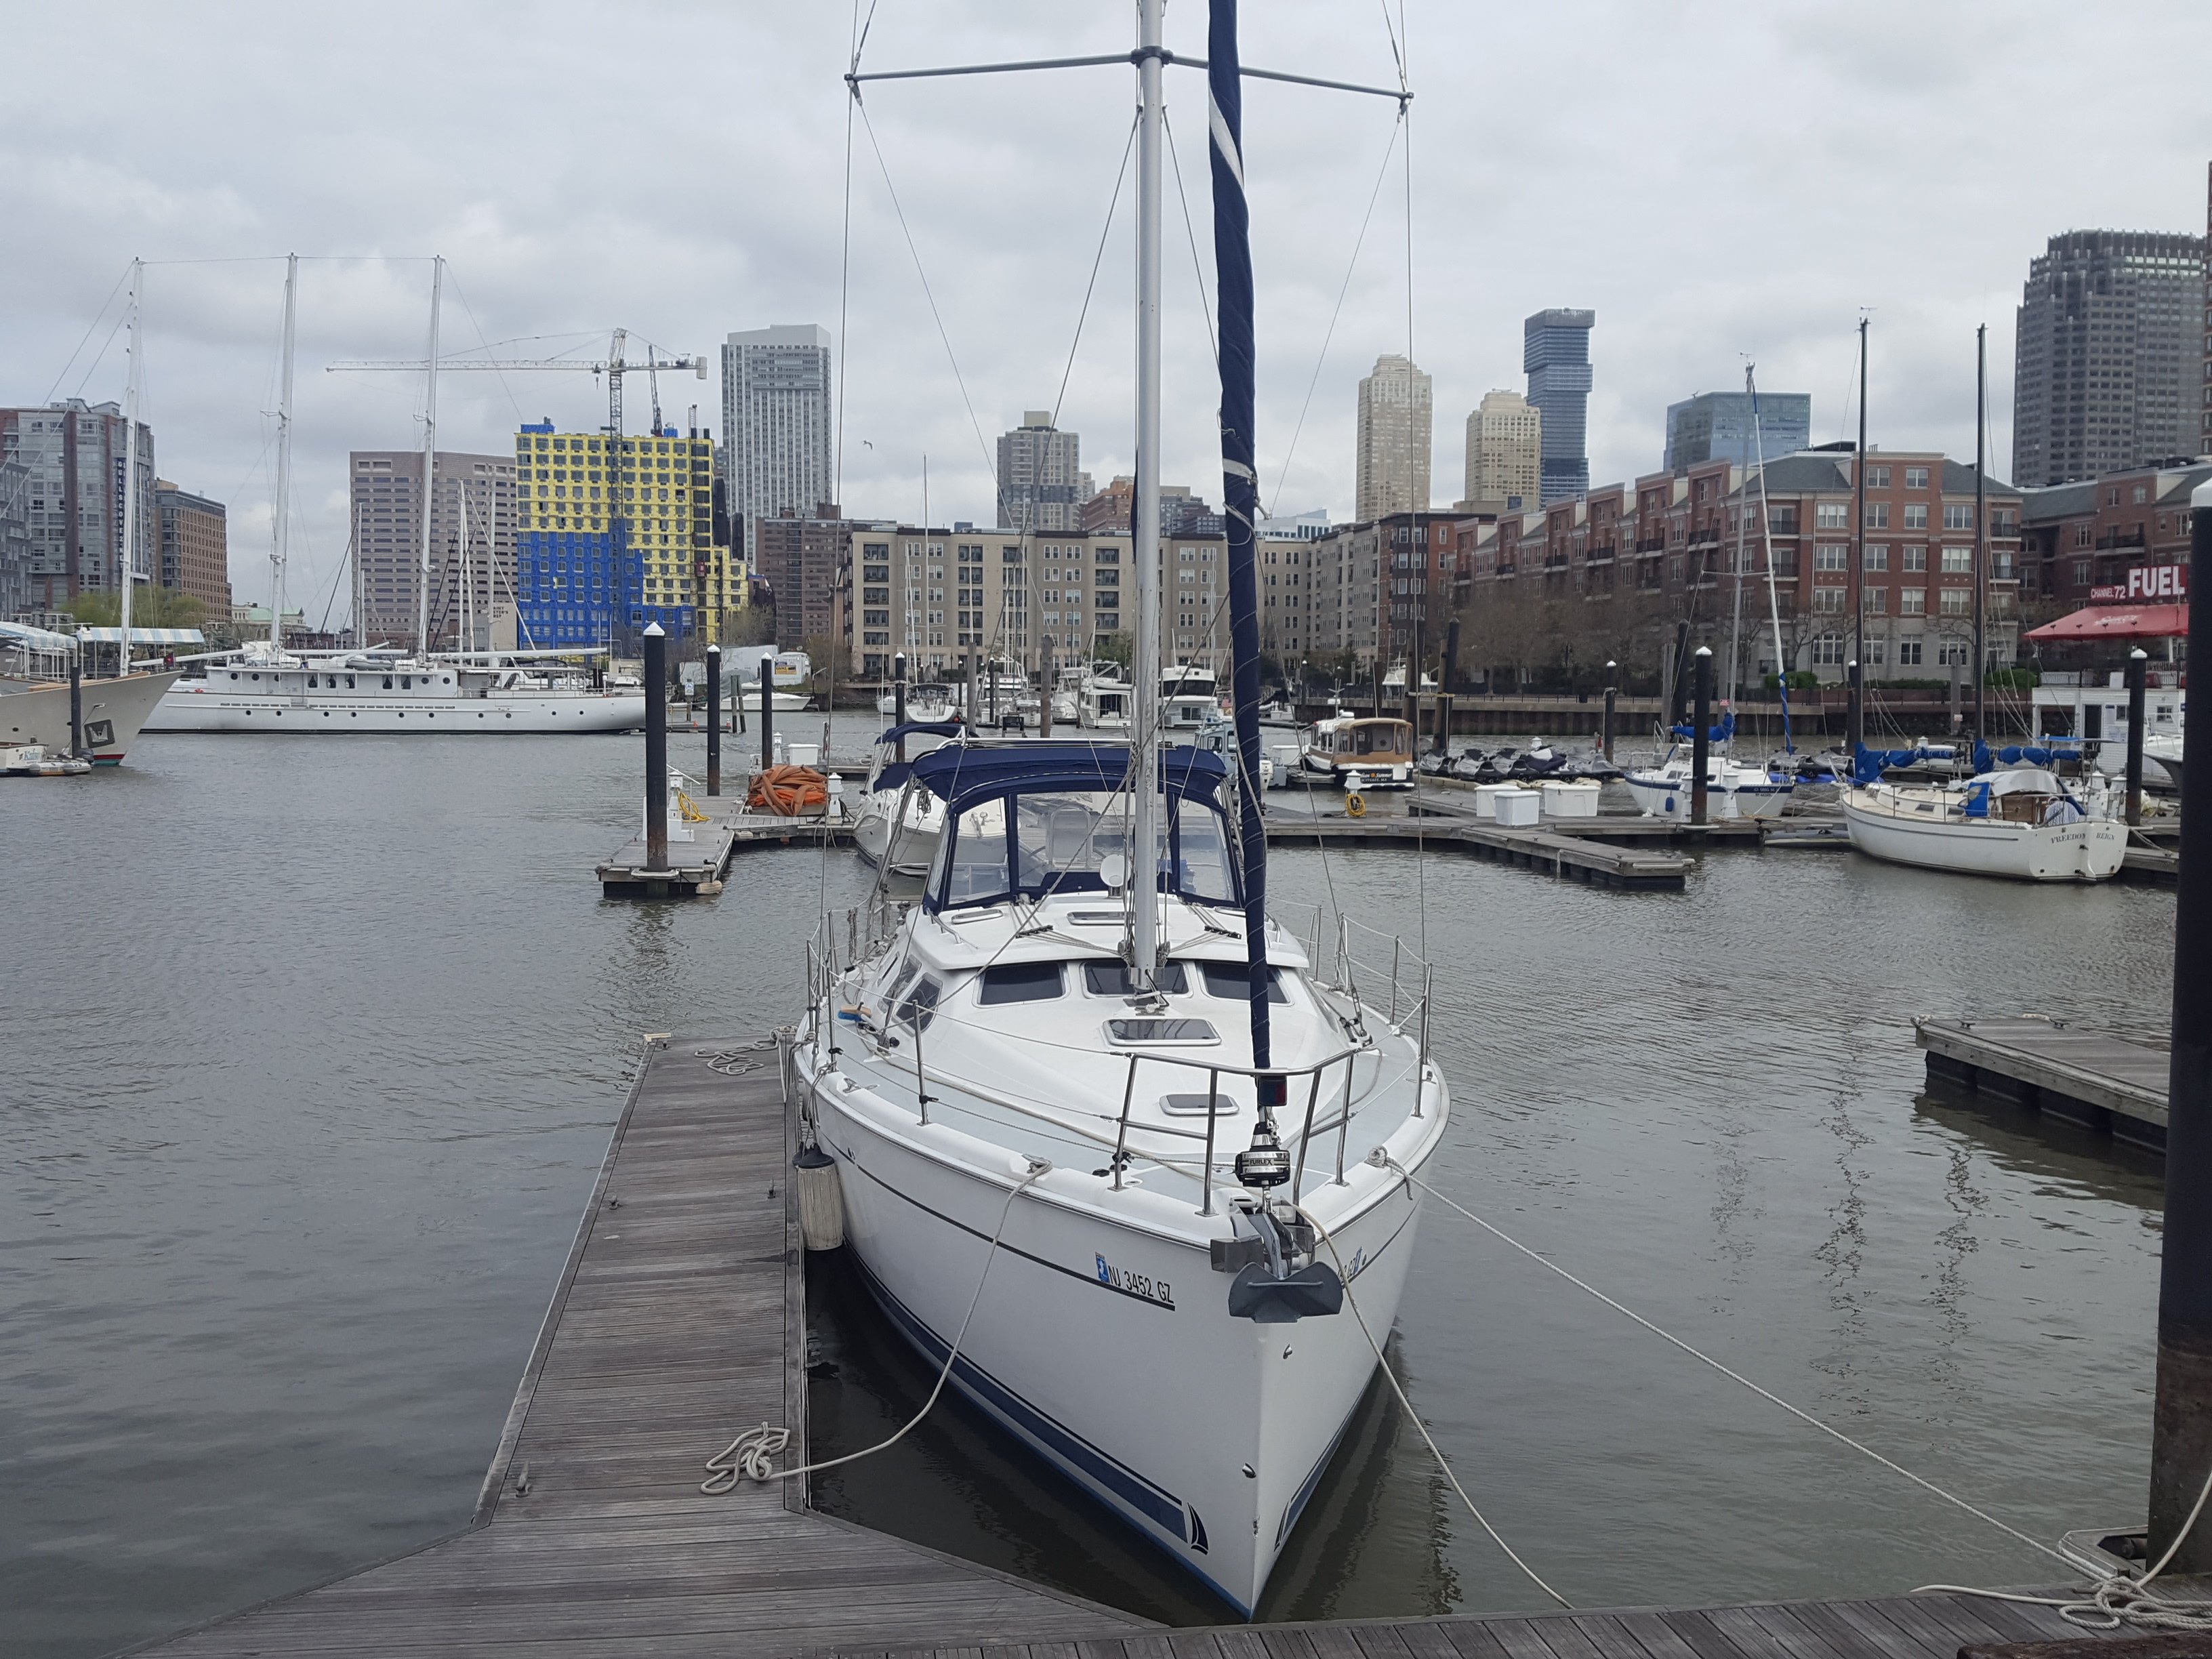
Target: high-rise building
{"x": 1555, "y": 352}
{"x": 800, "y": 558}
{"x": 1392, "y": 467}
{"x": 1505, "y": 451}
{"x": 15, "y": 537}
{"x": 72, "y": 454}
{"x": 195, "y": 539}
{"x": 1042, "y": 485}
{"x": 387, "y": 542}
{"x": 776, "y": 430}
{"x": 610, "y": 541}
{"x": 2108, "y": 356}
{"x": 1717, "y": 426}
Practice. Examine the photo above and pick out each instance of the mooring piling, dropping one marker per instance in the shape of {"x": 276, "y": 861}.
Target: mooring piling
{"x": 2181, "y": 1421}
{"x": 1612, "y": 701}
{"x": 768, "y": 712}
{"x": 656, "y": 748}
{"x": 1853, "y": 712}
{"x": 1701, "y": 736}
{"x": 2138, "y": 675}
{"x": 714, "y": 720}
{"x": 1445, "y": 686}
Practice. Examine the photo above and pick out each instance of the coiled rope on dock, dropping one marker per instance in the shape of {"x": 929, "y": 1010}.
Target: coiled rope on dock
{"x": 751, "y": 1455}
{"x": 2119, "y": 1598}
{"x": 736, "y": 1062}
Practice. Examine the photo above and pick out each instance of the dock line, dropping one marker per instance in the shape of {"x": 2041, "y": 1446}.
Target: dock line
{"x": 1382, "y": 1161}
{"x": 751, "y": 1456}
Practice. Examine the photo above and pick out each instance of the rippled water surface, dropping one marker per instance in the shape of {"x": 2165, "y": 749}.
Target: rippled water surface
{"x": 313, "y": 1049}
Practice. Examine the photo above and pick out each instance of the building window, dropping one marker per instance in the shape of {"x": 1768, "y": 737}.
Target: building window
{"x": 1832, "y": 515}
{"x": 1958, "y": 561}
{"x": 1828, "y": 650}
{"x": 1832, "y": 556}
{"x": 1827, "y": 600}
{"x": 1951, "y": 654}
{"x": 1908, "y": 653}
{"x": 1915, "y": 558}
{"x": 1912, "y": 601}
{"x": 1958, "y": 515}
{"x": 1877, "y": 601}
{"x": 1916, "y": 477}
{"x": 1957, "y": 601}
{"x": 1915, "y": 515}
{"x": 1877, "y": 477}
{"x": 2140, "y": 496}
{"x": 2080, "y": 572}
{"x": 1877, "y": 515}
{"x": 1877, "y": 557}
{"x": 1783, "y": 520}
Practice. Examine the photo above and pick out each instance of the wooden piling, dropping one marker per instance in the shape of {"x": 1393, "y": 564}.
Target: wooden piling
{"x": 1701, "y": 735}
{"x": 656, "y": 748}
{"x": 768, "y": 712}
{"x": 2138, "y": 663}
{"x": 714, "y": 720}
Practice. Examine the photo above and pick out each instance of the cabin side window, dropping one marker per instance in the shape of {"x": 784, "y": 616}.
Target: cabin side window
{"x": 1019, "y": 982}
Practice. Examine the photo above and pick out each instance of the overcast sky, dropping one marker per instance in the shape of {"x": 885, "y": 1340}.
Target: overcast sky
{"x": 1717, "y": 181}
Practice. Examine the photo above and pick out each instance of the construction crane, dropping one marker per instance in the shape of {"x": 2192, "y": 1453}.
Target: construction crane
{"x": 613, "y": 366}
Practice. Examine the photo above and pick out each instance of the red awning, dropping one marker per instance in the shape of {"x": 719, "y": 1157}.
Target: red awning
{"x": 2117, "y": 621}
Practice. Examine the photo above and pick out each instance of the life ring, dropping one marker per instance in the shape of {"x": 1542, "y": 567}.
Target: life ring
{"x": 1355, "y": 805}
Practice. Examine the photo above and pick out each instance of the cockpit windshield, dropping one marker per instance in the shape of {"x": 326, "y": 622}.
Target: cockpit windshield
{"x": 1070, "y": 840}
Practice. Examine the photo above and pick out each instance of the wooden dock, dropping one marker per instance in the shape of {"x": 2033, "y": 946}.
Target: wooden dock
{"x": 2109, "y": 1084}
{"x": 1569, "y": 857}
{"x": 695, "y": 868}
{"x": 680, "y": 1319}
{"x": 1940, "y": 1627}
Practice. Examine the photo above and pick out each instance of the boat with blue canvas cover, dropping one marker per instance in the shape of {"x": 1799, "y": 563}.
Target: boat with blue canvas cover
{"x": 1169, "y": 1339}
{"x": 898, "y": 818}
{"x": 2018, "y": 819}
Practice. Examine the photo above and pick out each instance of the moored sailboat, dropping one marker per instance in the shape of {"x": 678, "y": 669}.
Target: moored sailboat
{"x": 1101, "y": 1126}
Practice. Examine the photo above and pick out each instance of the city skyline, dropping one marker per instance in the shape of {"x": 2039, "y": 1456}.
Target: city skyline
{"x": 84, "y": 196}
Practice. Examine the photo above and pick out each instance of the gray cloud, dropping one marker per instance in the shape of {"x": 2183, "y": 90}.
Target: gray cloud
{"x": 1716, "y": 180}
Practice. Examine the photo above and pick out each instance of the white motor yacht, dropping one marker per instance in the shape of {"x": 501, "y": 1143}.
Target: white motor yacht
{"x": 331, "y": 692}
{"x": 1174, "y": 1339}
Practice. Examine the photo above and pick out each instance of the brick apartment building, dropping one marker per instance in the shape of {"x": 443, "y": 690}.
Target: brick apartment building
{"x": 803, "y": 560}
{"x": 2078, "y": 536}
{"x": 1676, "y": 543}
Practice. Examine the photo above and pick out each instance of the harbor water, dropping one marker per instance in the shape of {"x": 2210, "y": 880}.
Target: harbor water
{"x": 313, "y": 1049}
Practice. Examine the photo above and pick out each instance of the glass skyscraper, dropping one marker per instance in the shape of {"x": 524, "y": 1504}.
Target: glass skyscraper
{"x": 1715, "y": 426}
{"x": 1555, "y": 351}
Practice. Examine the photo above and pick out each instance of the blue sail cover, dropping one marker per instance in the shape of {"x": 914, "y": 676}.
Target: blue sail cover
{"x": 1720, "y": 733}
{"x": 961, "y": 776}
{"x": 1240, "y": 493}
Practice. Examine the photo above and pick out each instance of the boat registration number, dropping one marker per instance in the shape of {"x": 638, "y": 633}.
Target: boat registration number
{"x": 1143, "y": 1288}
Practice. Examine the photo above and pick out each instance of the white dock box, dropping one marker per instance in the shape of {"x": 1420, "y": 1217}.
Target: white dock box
{"x": 1571, "y": 798}
{"x": 1516, "y": 809}
{"x": 1487, "y": 796}
{"x": 804, "y": 754}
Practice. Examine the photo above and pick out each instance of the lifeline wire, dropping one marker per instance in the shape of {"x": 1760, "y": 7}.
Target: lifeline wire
{"x": 750, "y": 1456}
{"x": 1772, "y": 1399}
{"x": 1414, "y": 1417}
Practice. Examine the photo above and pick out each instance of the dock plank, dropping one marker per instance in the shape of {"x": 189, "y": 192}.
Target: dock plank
{"x": 2084, "y": 1075}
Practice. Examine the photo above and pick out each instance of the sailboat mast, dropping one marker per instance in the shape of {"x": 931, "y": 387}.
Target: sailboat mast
{"x": 429, "y": 461}
{"x": 1767, "y": 545}
{"x": 1742, "y": 545}
{"x": 129, "y": 559}
{"x": 1981, "y": 532}
{"x": 280, "y": 552}
{"x": 1856, "y": 736}
{"x": 1145, "y": 538}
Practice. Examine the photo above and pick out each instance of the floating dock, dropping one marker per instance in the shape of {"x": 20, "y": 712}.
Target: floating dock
{"x": 2088, "y": 1078}
{"x": 1570, "y": 857}
{"x": 695, "y": 868}
{"x": 680, "y": 1319}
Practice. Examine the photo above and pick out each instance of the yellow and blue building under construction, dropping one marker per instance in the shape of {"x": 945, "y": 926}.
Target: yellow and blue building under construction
{"x": 614, "y": 534}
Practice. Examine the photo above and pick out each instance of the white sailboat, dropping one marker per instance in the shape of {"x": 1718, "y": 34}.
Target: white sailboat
{"x": 899, "y": 820}
{"x": 1087, "y": 1061}
{"x": 2024, "y": 823}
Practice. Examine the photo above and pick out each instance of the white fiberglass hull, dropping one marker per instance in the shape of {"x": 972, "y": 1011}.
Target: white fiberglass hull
{"x": 115, "y": 712}
{"x": 2088, "y": 849}
{"x": 1109, "y": 1349}
{"x": 198, "y": 706}
{"x": 1669, "y": 797}
{"x": 908, "y": 852}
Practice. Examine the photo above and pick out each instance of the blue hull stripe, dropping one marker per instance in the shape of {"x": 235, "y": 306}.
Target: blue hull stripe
{"x": 1163, "y": 1508}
